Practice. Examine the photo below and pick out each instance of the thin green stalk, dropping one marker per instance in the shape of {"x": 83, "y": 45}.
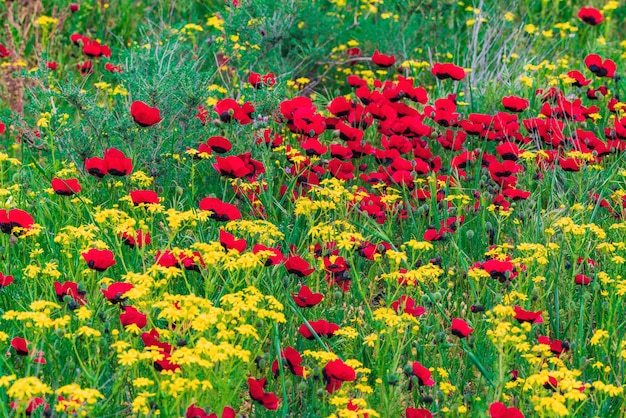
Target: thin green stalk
{"x": 285, "y": 409}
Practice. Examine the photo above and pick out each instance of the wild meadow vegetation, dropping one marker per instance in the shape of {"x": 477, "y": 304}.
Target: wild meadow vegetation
{"x": 323, "y": 208}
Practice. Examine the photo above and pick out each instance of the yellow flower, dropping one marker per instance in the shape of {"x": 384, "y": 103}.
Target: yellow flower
{"x": 128, "y": 358}
{"x": 142, "y": 381}
{"x": 597, "y": 336}
{"x": 216, "y": 22}
{"x": 370, "y": 340}
{"x": 46, "y": 21}
{"x": 530, "y": 28}
{"x": 83, "y": 313}
{"x": 87, "y": 331}
{"x": 27, "y": 388}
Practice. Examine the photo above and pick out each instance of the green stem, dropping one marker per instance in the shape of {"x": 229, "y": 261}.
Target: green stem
{"x": 281, "y": 371}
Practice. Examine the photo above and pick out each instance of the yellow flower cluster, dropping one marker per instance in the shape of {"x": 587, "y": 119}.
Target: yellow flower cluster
{"x": 263, "y": 231}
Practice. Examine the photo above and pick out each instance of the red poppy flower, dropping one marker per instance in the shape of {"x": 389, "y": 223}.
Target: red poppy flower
{"x": 117, "y": 163}
{"x": 229, "y": 109}
{"x": 356, "y": 81}
{"x": 305, "y": 121}
{"x": 407, "y": 305}
{"x": 113, "y": 68}
{"x": 32, "y": 405}
{"x": 15, "y": 218}
{"x": 527, "y": 316}
{"x": 340, "y": 152}
{"x": 197, "y": 412}
{"x": 227, "y": 412}
{"x": 516, "y": 194}
{"x": 115, "y": 292}
{"x": 165, "y": 364}
{"x": 335, "y": 264}
{"x": 233, "y": 167}
{"x": 460, "y": 328}
{"x": 255, "y": 79}
{"x": 77, "y": 37}
{"x": 508, "y": 150}
{"x": 596, "y": 94}
{"x": 146, "y": 197}
{"x": 191, "y": 261}
{"x": 501, "y": 171}
{"x": 415, "y": 94}
{"x": 137, "y": 238}
{"x": 74, "y": 7}
{"x": 151, "y": 339}
{"x": 322, "y": 328}
{"x": 5, "y": 280}
{"x": 221, "y": 211}
{"x": 106, "y": 51}
{"x": 69, "y": 289}
{"x": 383, "y": 60}
{"x": 499, "y": 410}
{"x": 85, "y": 67}
{"x": 4, "y": 52}
{"x": 273, "y": 255}
{"x": 579, "y": 78}
{"x": 202, "y": 115}
{"x": 99, "y": 260}
{"x": 349, "y": 133}
{"x": 167, "y": 259}
{"x": 92, "y": 48}
{"x": 313, "y": 146}
{"x": 500, "y": 270}
{"x": 353, "y": 53}
{"x": 96, "y": 166}
{"x": 432, "y": 234}
{"x": 448, "y": 70}
{"x": 258, "y": 81}
{"x": 292, "y": 359}
{"x": 229, "y": 242}
{"x": 132, "y": 316}
{"x": 582, "y": 279}
{"x": 51, "y": 65}
{"x": 423, "y": 374}
{"x": 256, "y": 389}
{"x": 571, "y": 164}
{"x": 306, "y": 298}
{"x": 144, "y": 115}
{"x": 515, "y": 104}
{"x": 20, "y": 345}
{"x": 418, "y": 413}
{"x": 269, "y": 80}
{"x": 342, "y": 170}
{"x": 590, "y": 15}
{"x": 340, "y": 106}
{"x": 335, "y": 373}
{"x": 298, "y": 266}
{"x": 269, "y": 138}
{"x": 65, "y": 187}
{"x": 557, "y": 347}
{"x": 254, "y": 166}
{"x": 219, "y": 144}
{"x": 600, "y": 68}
